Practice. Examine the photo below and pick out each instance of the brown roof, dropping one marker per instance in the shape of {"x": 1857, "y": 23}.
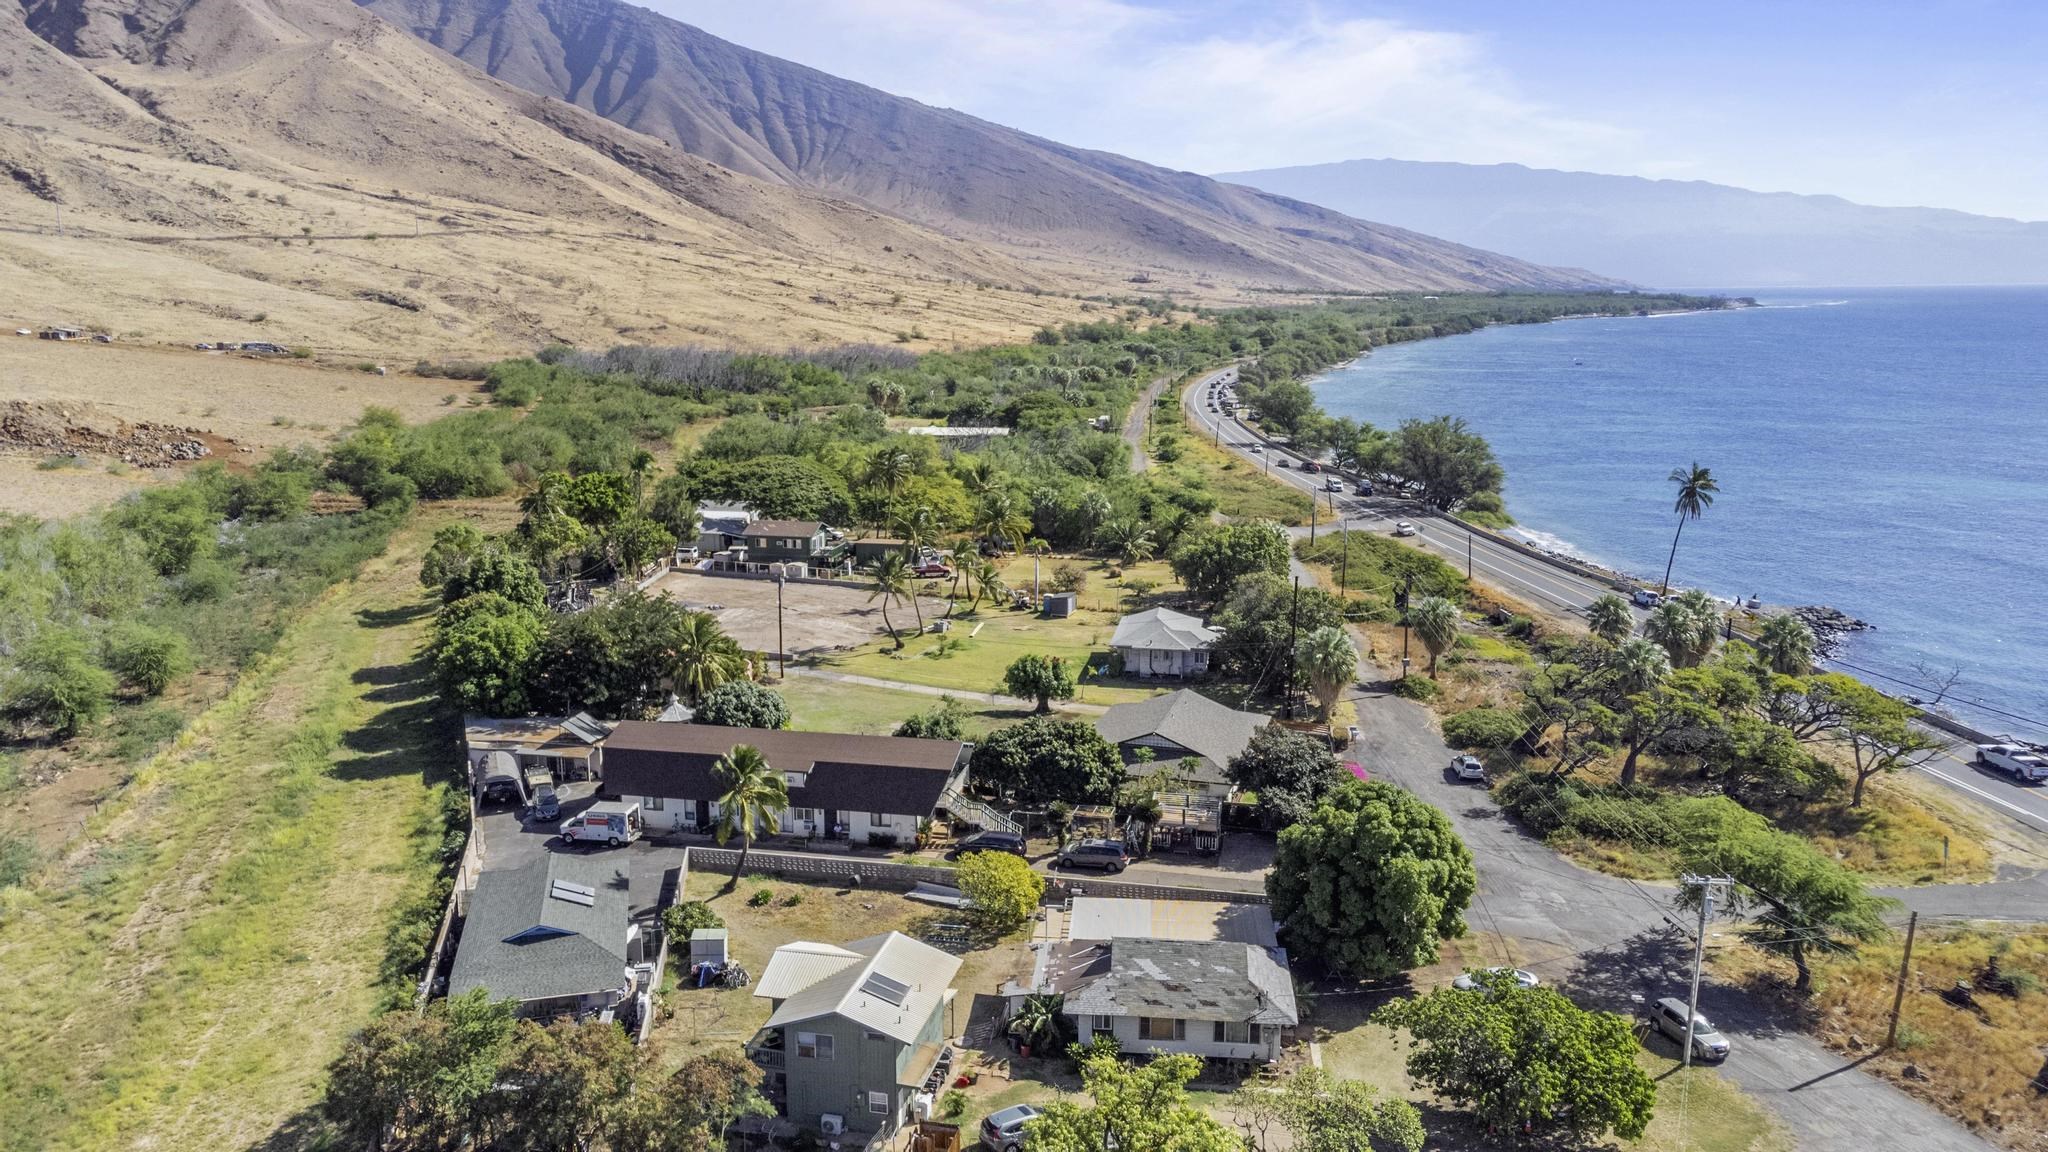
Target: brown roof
{"x": 850, "y": 773}
{"x": 782, "y": 528}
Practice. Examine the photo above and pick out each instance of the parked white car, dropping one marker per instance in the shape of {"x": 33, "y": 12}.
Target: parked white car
{"x": 1403, "y": 528}
{"x": 1469, "y": 978}
{"x": 1468, "y": 768}
{"x": 2021, "y": 762}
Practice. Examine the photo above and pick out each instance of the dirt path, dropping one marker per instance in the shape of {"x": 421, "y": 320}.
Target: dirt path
{"x": 1140, "y": 418}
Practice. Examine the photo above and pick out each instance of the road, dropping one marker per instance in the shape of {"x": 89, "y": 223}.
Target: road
{"x": 1546, "y": 585}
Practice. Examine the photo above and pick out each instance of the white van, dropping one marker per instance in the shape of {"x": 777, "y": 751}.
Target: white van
{"x": 612, "y": 822}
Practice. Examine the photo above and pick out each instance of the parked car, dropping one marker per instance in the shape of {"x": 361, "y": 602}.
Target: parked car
{"x": 1644, "y": 598}
{"x": 1108, "y": 855}
{"x": 2022, "y": 762}
{"x": 1364, "y": 488}
{"x": 1468, "y": 768}
{"x": 1669, "y": 1016}
{"x": 1403, "y": 528}
{"x": 1333, "y": 484}
{"x": 546, "y": 805}
{"x": 1351, "y": 735}
{"x": 612, "y": 822}
{"x": 1469, "y": 978}
{"x": 991, "y": 842}
{"x": 1004, "y": 1131}
{"x": 931, "y": 571}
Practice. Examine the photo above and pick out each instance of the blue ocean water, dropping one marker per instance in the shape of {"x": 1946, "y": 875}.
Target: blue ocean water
{"x": 1883, "y": 451}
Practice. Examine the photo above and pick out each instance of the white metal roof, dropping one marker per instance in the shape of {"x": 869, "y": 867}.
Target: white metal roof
{"x": 800, "y": 964}
{"x": 924, "y": 973}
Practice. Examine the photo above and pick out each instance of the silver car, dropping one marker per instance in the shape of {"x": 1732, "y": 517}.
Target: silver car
{"x": 1707, "y": 1044}
{"x": 1468, "y": 980}
{"x": 1004, "y": 1131}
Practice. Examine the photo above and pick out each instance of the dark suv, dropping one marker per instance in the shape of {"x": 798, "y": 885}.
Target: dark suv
{"x": 1108, "y": 855}
{"x": 992, "y": 842}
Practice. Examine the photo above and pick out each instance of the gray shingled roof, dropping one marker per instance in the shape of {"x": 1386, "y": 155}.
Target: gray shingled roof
{"x": 1213, "y": 731}
{"x": 846, "y": 772}
{"x": 1190, "y": 980}
{"x": 1163, "y": 629}
{"x": 523, "y": 941}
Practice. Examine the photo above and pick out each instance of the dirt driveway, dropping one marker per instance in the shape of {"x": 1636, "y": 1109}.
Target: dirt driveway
{"x": 815, "y": 617}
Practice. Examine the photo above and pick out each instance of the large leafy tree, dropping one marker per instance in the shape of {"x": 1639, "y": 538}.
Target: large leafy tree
{"x": 1144, "y": 1106}
{"x": 1209, "y": 562}
{"x": 1372, "y": 880}
{"x": 1435, "y": 621}
{"x": 424, "y": 1079}
{"x": 493, "y": 568}
{"x": 1321, "y": 1113}
{"x": 1043, "y": 679}
{"x": 1696, "y": 488}
{"x": 1879, "y": 731}
{"x": 1002, "y": 891}
{"x": 55, "y": 684}
{"x": 1045, "y": 758}
{"x": 946, "y": 721}
{"x": 691, "y": 1109}
{"x": 1265, "y": 614}
{"x": 1527, "y": 1056}
{"x": 484, "y": 651}
{"x": 1679, "y": 711}
{"x": 615, "y": 659}
{"x": 453, "y": 547}
{"x": 560, "y": 1086}
{"x": 743, "y": 704}
{"x": 1330, "y": 659}
{"x": 1451, "y": 462}
{"x": 755, "y": 797}
{"x": 1291, "y": 771}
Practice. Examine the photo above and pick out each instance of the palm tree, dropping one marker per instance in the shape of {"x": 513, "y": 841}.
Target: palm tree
{"x": 960, "y": 558}
{"x": 1786, "y": 644}
{"x": 1038, "y": 549}
{"x": 892, "y": 583}
{"x": 889, "y": 469}
{"x": 1331, "y": 661}
{"x": 1638, "y": 665}
{"x": 1435, "y": 621}
{"x": 638, "y": 466}
{"x": 756, "y": 796}
{"x": 1129, "y": 538}
{"x": 981, "y": 477}
{"x": 1674, "y": 628}
{"x": 1095, "y": 510}
{"x": 1037, "y": 1022}
{"x": 1610, "y": 618}
{"x": 1001, "y": 520}
{"x": 1696, "y": 490}
{"x": 1706, "y": 623}
{"x": 704, "y": 655}
{"x": 987, "y": 581}
{"x": 920, "y": 528}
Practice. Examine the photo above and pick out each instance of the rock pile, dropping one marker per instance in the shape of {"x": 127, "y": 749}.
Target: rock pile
{"x": 1829, "y": 626}
{"x": 78, "y": 430}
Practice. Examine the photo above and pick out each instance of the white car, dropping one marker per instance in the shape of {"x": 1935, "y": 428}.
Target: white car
{"x": 1333, "y": 484}
{"x": 1403, "y": 528}
{"x": 1258, "y": 449}
{"x": 1644, "y": 598}
{"x": 1351, "y": 735}
{"x": 1469, "y": 979}
{"x": 1468, "y": 768}
{"x": 2025, "y": 765}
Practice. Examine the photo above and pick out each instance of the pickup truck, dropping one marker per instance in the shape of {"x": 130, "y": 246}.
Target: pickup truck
{"x": 2024, "y": 764}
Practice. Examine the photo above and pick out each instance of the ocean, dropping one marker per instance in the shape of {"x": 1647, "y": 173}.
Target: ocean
{"x": 1881, "y": 451}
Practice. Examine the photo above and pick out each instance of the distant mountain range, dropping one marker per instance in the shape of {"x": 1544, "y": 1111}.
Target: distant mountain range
{"x": 1672, "y": 233}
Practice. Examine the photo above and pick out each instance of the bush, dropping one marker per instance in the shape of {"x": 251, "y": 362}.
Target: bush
{"x": 1002, "y": 891}
{"x": 1069, "y": 577}
{"x": 953, "y": 1104}
{"x": 761, "y": 898}
{"x": 1484, "y": 729}
{"x": 881, "y": 840}
{"x": 793, "y": 899}
{"x": 743, "y": 704}
{"x": 55, "y": 685}
{"x": 1414, "y": 687}
{"x": 679, "y": 920}
{"x": 147, "y": 658}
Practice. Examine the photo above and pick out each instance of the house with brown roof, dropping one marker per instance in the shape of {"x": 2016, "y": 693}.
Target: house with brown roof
{"x": 859, "y": 788}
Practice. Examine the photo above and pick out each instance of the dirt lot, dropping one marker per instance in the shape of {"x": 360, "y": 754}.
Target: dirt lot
{"x": 815, "y": 617}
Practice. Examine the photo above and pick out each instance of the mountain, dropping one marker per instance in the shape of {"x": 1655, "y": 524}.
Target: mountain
{"x": 1673, "y": 233}
{"x": 778, "y": 121}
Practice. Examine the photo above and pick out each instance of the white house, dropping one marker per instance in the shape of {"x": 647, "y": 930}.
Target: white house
{"x": 1162, "y": 642}
{"x": 1217, "y": 999}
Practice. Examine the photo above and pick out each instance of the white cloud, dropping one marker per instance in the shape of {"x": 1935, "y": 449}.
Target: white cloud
{"x": 1287, "y": 87}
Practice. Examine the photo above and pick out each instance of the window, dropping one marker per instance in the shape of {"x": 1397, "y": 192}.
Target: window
{"x": 814, "y": 1046}
{"x": 878, "y": 819}
{"x": 1233, "y": 1032}
{"x": 1158, "y": 1028}
{"x": 794, "y": 779}
{"x": 1100, "y": 1025}
{"x": 871, "y": 1034}
{"x": 651, "y": 803}
{"x": 878, "y": 1103}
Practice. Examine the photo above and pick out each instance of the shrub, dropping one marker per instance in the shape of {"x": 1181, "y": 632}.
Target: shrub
{"x": 1486, "y": 729}
{"x": 679, "y": 920}
{"x": 953, "y": 1104}
{"x": 55, "y": 685}
{"x": 1414, "y": 687}
{"x": 881, "y": 840}
{"x": 1002, "y": 891}
{"x": 761, "y": 898}
{"x": 793, "y": 899}
{"x": 147, "y": 658}
{"x": 1069, "y": 577}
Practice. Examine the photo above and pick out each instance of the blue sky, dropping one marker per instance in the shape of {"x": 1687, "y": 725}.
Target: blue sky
{"x": 1935, "y": 103}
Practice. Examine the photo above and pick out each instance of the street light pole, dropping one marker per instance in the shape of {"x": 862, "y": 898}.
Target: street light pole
{"x": 781, "y": 572}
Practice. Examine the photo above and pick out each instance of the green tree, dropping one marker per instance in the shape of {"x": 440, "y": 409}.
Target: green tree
{"x": 1678, "y": 627}
{"x": 454, "y": 546}
{"x": 1610, "y": 619}
{"x": 679, "y": 920}
{"x": 175, "y": 523}
{"x": 618, "y": 658}
{"x": 690, "y": 1109}
{"x": 1039, "y": 1022}
{"x": 892, "y": 585}
{"x": 1145, "y": 1106}
{"x": 425, "y": 1079}
{"x": 1371, "y": 881}
{"x": 1263, "y": 619}
{"x": 484, "y": 651}
{"x": 1435, "y": 621}
{"x": 634, "y": 542}
{"x": 1325, "y": 1114}
{"x": 1285, "y": 406}
{"x": 1002, "y": 891}
{"x": 705, "y": 658}
{"x": 1291, "y": 771}
{"x": 743, "y": 704}
{"x": 1527, "y": 1056}
{"x": 674, "y": 508}
{"x": 55, "y": 685}
{"x": 1451, "y": 462}
{"x": 1696, "y": 490}
{"x": 946, "y": 721}
{"x": 1045, "y": 759}
{"x": 1879, "y": 731}
{"x": 1209, "y": 562}
{"x": 1330, "y": 659}
{"x": 1483, "y": 729}
{"x": 1786, "y": 645}
{"x": 755, "y": 797}
{"x": 1040, "y": 678}
{"x": 560, "y": 1085}
{"x": 147, "y": 658}
{"x": 889, "y": 468}
{"x": 494, "y": 569}
{"x": 1001, "y": 519}
{"x": 1128, "y": 539}
{"x": 598, "y": 499}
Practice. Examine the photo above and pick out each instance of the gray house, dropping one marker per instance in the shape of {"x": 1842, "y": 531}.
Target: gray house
{"x": 780, "y": 541}
{"x": 855, "y": 1031}
{"x": 553, "y": 935}
{"x": 1162, "y": 642}
{"x": 1178, "y": 726}
{"x": 1217, "y": 999}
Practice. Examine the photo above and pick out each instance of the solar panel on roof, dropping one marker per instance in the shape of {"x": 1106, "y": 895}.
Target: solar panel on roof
{"x": 883, "y": 988}
{"x": 582, "y": 894}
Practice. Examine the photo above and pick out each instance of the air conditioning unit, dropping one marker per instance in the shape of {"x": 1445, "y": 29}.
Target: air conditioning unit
{"x": 832, "y": 1124}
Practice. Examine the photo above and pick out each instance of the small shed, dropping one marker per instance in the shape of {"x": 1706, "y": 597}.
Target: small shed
{"x": 60, "y": 332}
{"x": 1059, "y": 605}
{"x": 707, "y": 946}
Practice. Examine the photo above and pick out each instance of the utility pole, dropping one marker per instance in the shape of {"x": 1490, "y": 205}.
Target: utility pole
{"x": 781, "y": 649}
{"x": 1344, "y": 564}
{"x": 1311, "y": 519}
{"x": 1707, "y": 885}
{"x": 1401, "y": 602}
{"x": 1293, "y": 626}
{"x": 1468, "y": 554}
{"x": 1891, "y": 1037}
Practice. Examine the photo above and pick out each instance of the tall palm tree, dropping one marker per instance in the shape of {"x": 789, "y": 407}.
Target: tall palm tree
{"x": 704, "y": 656}
{"x": 756, "y": 796}
{"x": 1786, "y": 645}
{"x": 1038, "y": 549}
{"x": 920, "y": 528}
{"x": 1001, "y": 519}
{"x": 1331, "y": 661}
{"x": 1674, "y": 628}
{"x": 981, "y": 477}
{"x": 1706, "y": 623}
{"x": 987, "y": 581}
{"x": 1129, "y": 538}
{"x": 1610, "y": 618}
{"x": 1638, "y": 665}
{"x": 889, "y": 469}
{"x": 1435, "y": 621}
{"x": 892, "y": 584}
{"x": 960, "y": 558}
{"x": 1095, "y": 510}
{"x": 1696, "y": 490}
{"x": 638, "y": 466}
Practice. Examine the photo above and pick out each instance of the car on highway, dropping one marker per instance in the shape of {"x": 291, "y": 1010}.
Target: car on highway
{"x": 1644, "y": 598}
{"x": 1108, "y": 855}
{"x": 1364, "y": 488}
{"x": 1333, "y": 484}
{"x": 1257, "y": 449}
{"x": 992, "y": 842}
{"x": 1311, "y": 466}
{"x": 1004, "y": 1131}
{"x": 1468, "y": 980}
{"x": 1468, "y": 768}
{"x": 1284, "y": 462}
{"x": 1669, "y": 1016}
{"x": 2019, "y": 761}
{"x": 1403, "y": 528}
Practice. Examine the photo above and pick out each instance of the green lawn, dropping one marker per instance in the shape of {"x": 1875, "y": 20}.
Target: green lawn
{"x": 184, "y": 977}
{"x": 973, "y": 656}
{"x": 820, "y": 705}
